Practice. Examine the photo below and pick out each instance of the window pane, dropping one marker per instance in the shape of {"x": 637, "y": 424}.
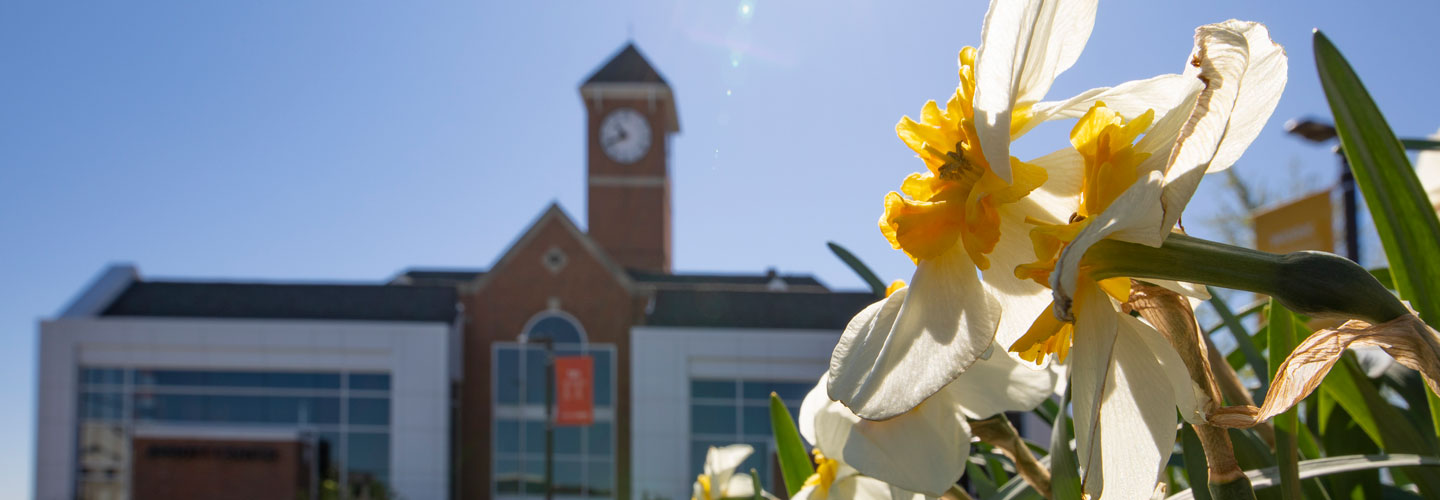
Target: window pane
{"x": 568, "y": 476}
{"x": 369, "y": 411}
{"x": 724, "y": 389}
{"x": 101, "y": 405}
{"x": 507, "y": 375}
{"x": 792, "y": 393}
{"x": 106, "y": 376}
{"x": 370, "y": 381}
{"x": 535, "y": 437}
{"x": 604, "y": 385}
{"x": 534, "y": 482}
{"x": 535, "y": 366}
{"x": 712, "y": 419}
{"x": 368, "y": 452}
{"x": 328, "y": 446}
{"x": 602, "y": 479}
{"x": 303, "y": 380}
{"x": 757, "y": 420}
{"x": 507, "y": 436}
{"x": 507, "y": 475}
{"x": 561, "y": 329}
{"x": 567, "y": 440}
{"x": 600, "y": 440}
{"x": 320, "y": 410}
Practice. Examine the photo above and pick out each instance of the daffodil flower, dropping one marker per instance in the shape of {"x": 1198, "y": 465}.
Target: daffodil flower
{"x": 966, "y": 215}
{"x": 1127, "y": 380}
{"x": 719, "y": 480}
{"x": 922, "y": 450}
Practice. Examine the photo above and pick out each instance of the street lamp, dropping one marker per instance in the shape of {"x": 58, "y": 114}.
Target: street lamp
{"x": 1320, "y": 132}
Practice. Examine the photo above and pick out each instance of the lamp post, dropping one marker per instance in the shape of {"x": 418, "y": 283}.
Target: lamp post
{"x": 1320, "y": 132}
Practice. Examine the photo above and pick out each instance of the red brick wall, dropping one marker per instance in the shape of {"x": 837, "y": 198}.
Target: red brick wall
{"x": 185, "y": 469}
{"x": 516, "y": 290}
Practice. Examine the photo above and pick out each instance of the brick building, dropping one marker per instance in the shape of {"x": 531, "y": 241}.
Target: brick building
{"x": 681, "y": 361}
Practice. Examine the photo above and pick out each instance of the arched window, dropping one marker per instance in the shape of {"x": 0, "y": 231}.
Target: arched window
{"x": 557, "y": 326}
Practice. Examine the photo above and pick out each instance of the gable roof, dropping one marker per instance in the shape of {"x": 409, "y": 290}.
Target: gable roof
{"x": 627, "y": 66}
{"x": 554, "y": 214}
{"x": 286, "y": 301}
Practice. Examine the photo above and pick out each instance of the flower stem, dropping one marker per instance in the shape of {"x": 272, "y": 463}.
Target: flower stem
{"x": 1316, "y": 284}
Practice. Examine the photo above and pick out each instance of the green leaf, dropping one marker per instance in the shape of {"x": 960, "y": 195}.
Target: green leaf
{"x": 1197, "y": 472}
{"x": 1064, "y": 468}
{"x": 1404, "y": 218}
{"x": 1267, "y": 477}
{"x": 795, "y": 465}
{"x": 1018, "y": 489}
{"x": 1282, "y": 341}
{"x": 859, "y": 267}
{"x": 1242, "y": 337}
{"x": 981, "y": 481}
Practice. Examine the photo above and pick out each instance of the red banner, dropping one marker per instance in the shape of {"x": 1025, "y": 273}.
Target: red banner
{"x": 574, "y": 390}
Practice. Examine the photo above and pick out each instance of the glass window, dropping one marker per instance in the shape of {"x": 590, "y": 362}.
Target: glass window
{"x": 712, "y": 389}
{"x": 102, "y": 376}
{"x": 535, "y": 367}
{"x": 535, "y": 436}
{"x": 791, "y": 393}
{"x": 568, "y": 440}
{"x": 600, "y": 439}
{"x": 601, "y": 479}
{"x": 368, "y": 452}
{"x": 369, "y": 381}
{"x": 369, "y": 411}
{"x": 507, "y": 475}
{"x": 604, "y": 386}
{"x": 507, "y": 436}
{"x": 558, "y": 328}
{"x": 569, "y": 478}
{"x": 712, "y": 419}
{"x": 507, "y": 375}
{"x": 101, "y": 405}
{"x": 757, "y": 420}
{"x": 303, "y": 380}
{"x": 534, "y": 478}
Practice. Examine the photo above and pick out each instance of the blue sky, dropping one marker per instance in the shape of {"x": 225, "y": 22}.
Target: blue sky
{"x": 344, "y": 141}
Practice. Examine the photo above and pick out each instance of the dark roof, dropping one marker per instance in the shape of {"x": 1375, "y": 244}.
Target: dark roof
{"x": 287, "y": 301}
{"x": 792, "y": 282}
{"x": 817, "y": 310}
{"x": 627, "y": 66}
{"x": 436, "y": 277}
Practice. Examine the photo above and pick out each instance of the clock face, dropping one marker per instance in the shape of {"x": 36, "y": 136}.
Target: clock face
{"x": 625, "y": 135}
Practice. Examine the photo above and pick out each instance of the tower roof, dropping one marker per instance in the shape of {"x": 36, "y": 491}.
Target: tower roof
{"x": 627, "y": 66}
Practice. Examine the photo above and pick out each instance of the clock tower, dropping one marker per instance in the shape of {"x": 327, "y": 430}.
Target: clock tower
{"x": 630, "y": 117}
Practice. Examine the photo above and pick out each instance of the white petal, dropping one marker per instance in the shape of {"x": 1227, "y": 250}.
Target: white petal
{"x": 739, "y": 486}
{"x": 1000, "y": 384}
{"x": 891, "y": 359}
{"x": 1131, "y": 217}
{"x": 860, "y": 488}
{"x": 1244, "y": 75}
{"x": 921, "y": 450}
{"x": 1189, "y": 398}
{"x": 720, "y": 464}
{"x": 804, "y": 494}
{"x": 1161, "y": 93}
{"x": 1023, "y": 300}
{"x": 1185, "y": 288}
{"x": 1124, "y": 422}
{"x": 1024, "y": 45}
{"x": 815, "y": 401}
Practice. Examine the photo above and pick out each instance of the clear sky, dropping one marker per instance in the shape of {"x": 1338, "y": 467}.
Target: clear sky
{"x": 344, "y": 141}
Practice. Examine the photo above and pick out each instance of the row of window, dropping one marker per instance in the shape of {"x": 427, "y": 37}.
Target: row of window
{"x": 235, "y": 409}
{"x": 725, "y": 412}
{"x": 252, "y": 379}
{"x": 595, "y": 440}
{"x": 576, "y": 477}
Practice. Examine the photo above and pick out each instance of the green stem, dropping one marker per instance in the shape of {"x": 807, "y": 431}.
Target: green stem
{"x": 1316, "y": 284}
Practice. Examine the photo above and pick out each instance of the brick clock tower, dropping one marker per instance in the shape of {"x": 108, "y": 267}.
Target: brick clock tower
{"x": 631, "y": 115}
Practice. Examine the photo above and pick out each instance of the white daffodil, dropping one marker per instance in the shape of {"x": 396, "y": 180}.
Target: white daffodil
{"x": 719, "y": 480}
{"x": 1127, "y": 381}
{"x": 922, "y": 450}
{"x": 967, "y": 215}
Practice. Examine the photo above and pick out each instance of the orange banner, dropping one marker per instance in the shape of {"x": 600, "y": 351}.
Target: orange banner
{"x": 574, "y": 390}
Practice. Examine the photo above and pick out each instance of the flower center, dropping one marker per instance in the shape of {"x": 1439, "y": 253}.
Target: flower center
{"x": 824, "y": 475}
{"x": 1104, "y": 139}
{"x": 958, "y": 200}
{"x": 704, "y": 482}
